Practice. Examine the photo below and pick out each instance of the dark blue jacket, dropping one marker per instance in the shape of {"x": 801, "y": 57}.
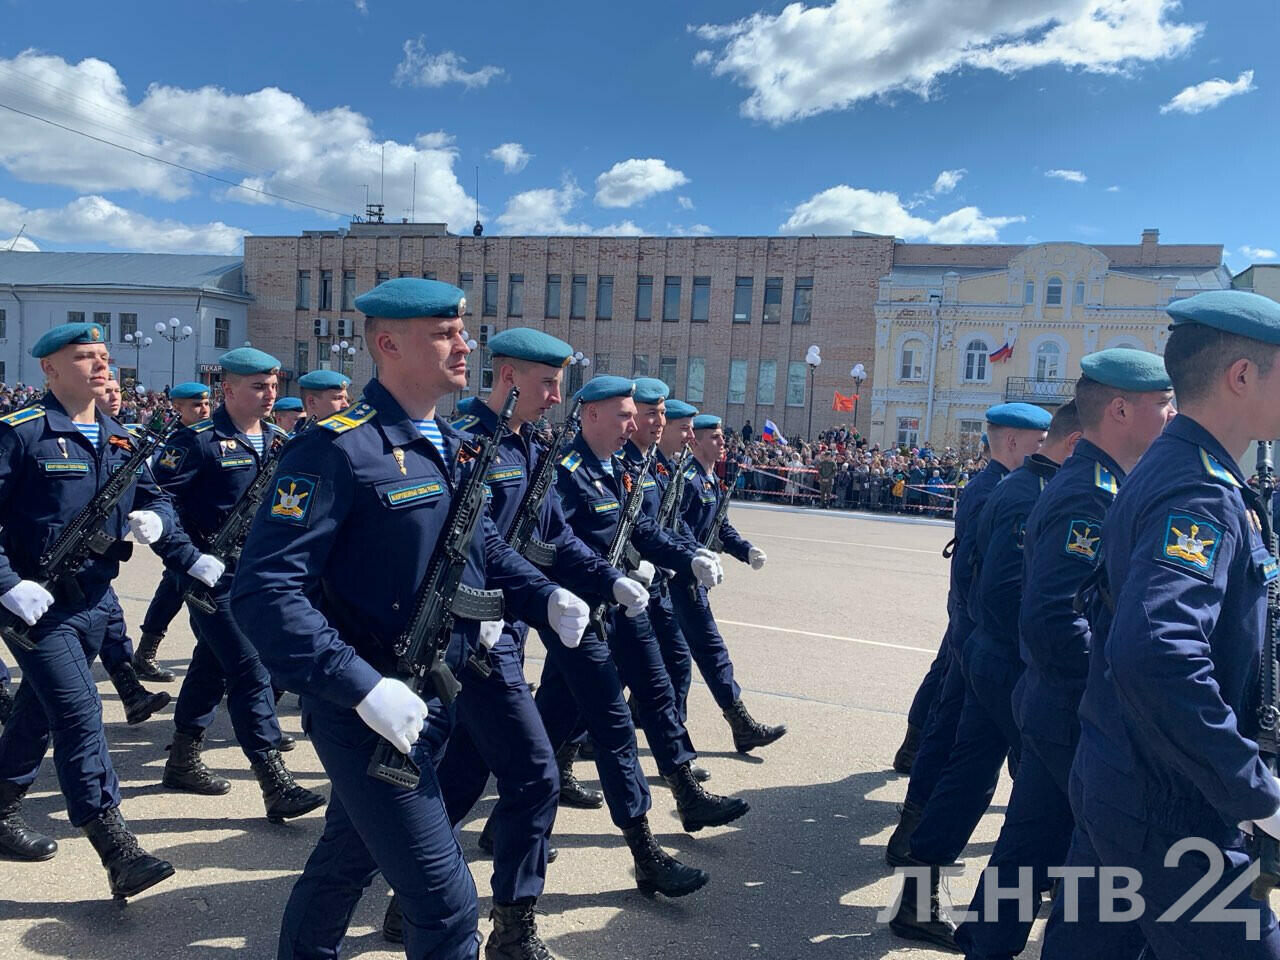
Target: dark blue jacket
{"x": 702, "y": 493}
{"x": 972, "y": 499}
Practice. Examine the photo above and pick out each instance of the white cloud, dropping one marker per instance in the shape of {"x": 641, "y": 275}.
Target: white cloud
{"x": 362, "y": 6}
{"x": 21, "y": 244}
{"x": 422, "y": 69}
{"x": 685, "y": 203}
{"x": 545, "y": 211}
{"x": 805, "y": 60}
{"x": 94, "y": 221}
{"x": 1253, "y": 253}
{"x": 703, "y": 57}
{"x": 512, "y": 156}
{"x": 1071, "y": 176}
{"x": 947, "y": 181}
{"x": 694, "y": 230}
{"x": 267, "y": 139}
{"x": 1113, "y": 189}
{"x": 841, "y": 209}
{"x": 629, "y": 182}
{"x": 1210, "y": 93}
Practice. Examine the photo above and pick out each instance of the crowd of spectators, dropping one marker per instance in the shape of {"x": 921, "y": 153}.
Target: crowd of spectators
{"x": 151, "y": 408}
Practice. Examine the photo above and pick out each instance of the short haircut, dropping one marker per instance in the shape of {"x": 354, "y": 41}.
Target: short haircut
{"x": 1065, "y": 422}
{"x": 1092, "y": 399}
{"x": 1196, "y": 356}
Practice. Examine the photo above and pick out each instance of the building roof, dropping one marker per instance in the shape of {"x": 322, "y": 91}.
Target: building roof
{"x": 150, "y": 270}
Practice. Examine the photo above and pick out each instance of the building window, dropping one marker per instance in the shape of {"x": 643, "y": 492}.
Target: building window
{"x": 603, "y": 364}
{"x": 490, "y": 295}
{"x": 604, "y": 298}
{"x": 802, "y": 300}
{"x": 701, "y": 300}
{"x": 405, "y": 273}
{"x": 302, "y": 356}
{"x": 222, "y": 333}
{"x": 515, "y": 295}
{"x": 1053, "y": 292}
{"x": 578, "y": 297}
{"x": 695, "y": 386}
{"x": 671, "y": 299}
{"x": 303, "y": 299}
{"x": 553, "y": 297}
{"x": 1079, "y": 295}
{"x": 428, "y": 274}
{"x": 667, "y": 370}
{"x": 772, "y": 299}
{"x": 975, "y": 361}
{"x": 348, "y": 289}
{"x": 486, "y": 370}
{"x": 1048, "y": 361}
{"x": 644, "y": 298}
{"x": 737, "y": 381}
{"x": 911, "y": 361}
{"x": 75, "y": 316}
{"x": 128, "y": 376}
{"x": 767, "y": 382}
{"x": 908, "y": 431}
{"x": 382, "y": 276}
{"x": 326, "y": 289}
{"x": 104, "y": 321}
{"x": 796, "y": 372}
{"x": 128, "y": 324}
{"x": 742, "y": 300}
{"x": 4, "y": 326}
{"x": 1029, "y": 292}
{"x": 640, "y": 365}
{"x": 465, "y": 283}
{"x": 970, "y": 433}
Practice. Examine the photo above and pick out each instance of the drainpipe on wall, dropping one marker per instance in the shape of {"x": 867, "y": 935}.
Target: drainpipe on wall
{"x": 935, "y": 303}
{"x": 22, "y": 329}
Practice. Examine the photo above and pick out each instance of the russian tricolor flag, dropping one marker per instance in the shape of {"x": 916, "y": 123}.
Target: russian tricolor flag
{"x": 771, "y": 434}
{"x": 1003, "y": 354}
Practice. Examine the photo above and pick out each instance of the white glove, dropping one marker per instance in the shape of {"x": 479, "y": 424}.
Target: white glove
{"x": 394, "y": 712}
{"x": 1269, "y": 824}
{"x": 632, "y": 595}
{"x": 756, "y": 557}
{"x": 568, "y": 616}
{"x": 146, "y": 526}
{"x": 643, "y": 574}
{"x": 490, "y": 631}
{"x": 208, "y": 569}
{"x": 706, "y": 570}
{"x": 28, "y": 600}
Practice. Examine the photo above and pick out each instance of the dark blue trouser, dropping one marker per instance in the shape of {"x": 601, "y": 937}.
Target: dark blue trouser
{"x": 498, "y": 729}
{"x": 707, "y": 646}
{"x": 671, "y": 641}
{"x": 58, "y": 699}
{"x": 370, "y": 827}
{"x": 5, "y": 675}
{"x": 930, "y": 686}
{"x": 117, "y": 649}
{"x": 1037, "y": 834}
{"x": 225, "y": 662}
{"x": 164, "y": 605}
{"x": 939, "y": 736}
{"x": 1090, "y": 938}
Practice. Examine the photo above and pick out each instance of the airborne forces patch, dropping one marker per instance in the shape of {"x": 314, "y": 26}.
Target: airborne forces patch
{"x": 1083, "y": 538}
{"x": 1190, "y": 543}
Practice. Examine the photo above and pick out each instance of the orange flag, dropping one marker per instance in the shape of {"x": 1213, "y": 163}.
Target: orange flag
{"x": 842, "y": 404}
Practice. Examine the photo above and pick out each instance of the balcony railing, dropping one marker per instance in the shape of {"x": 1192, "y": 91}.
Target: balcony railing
{"x": 1031, "y": 390}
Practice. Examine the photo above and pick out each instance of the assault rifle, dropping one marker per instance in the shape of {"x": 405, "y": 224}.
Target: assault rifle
{"x": 633, "y": 486}
{"x": 85, "y": 535}
{"x": 525, "y": 524}
{"x": 1267, "y": 847}
{"x": 669, "y": 506}
{"x": 442, "y": 598}
{"x": 712, "y": 538}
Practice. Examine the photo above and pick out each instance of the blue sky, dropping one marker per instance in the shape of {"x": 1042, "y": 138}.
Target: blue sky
{"x": 934, "y": 120}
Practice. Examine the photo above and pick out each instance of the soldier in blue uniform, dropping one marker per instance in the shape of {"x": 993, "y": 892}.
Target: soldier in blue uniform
{"x": 702, "y": 493}
{"x": 191, "y": 402}
{"x": 986, "y": 732}
{"x": 287, "y": 412}
{"x": 1014, "y": 432}
{"x": 1124, "y": 399}
{"x": 324, "y": 393}
{"x": 376, "y": 483}
{"x": 1170, "y": 706}
{"x": 206, "y": 468}
{"x": 54, "y": 457}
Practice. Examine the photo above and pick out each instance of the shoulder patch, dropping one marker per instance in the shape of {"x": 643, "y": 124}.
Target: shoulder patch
{"x": 201, "y": 426}
{"x": 292, "y": 500}
{"x": 1190, "y": 543}
{"x": 1217, "y": 470}
{"x": 171, "y": 458}
{"x": 34, "y": 412}
{"x": 1083, "y": 538}
{"x": 349, "y": 418}
{"x": 572, "y": 461}
{"x": 465, "y": 423}
{"x": 1104, "y": 479}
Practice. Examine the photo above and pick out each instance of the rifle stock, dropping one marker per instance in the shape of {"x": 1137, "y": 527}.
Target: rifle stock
{"x": 1267, "y": 847}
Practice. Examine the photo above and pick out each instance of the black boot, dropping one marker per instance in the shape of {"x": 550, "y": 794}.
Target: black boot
{"x": 698, "y": 808}
{"x": 898, "y": 851}
{"x": 515, "y": 934}
{"x": 6, "y": 704}
{"x": 906, "y": 754}
{"x": 393, "y": 921}
{"x": 701, "y": 774}
{"x": 17, "y": 840}
{"x": 286, "y": 743}
{"x": 572, "y": 792}
{"x": 144, "y": 660}
{"x": 283, "y": 796}
{"x": 184, "y": 770}
{"x": 749, "y": 733}
{"x": 656, "y": 870}
{"x": 139, "y": 702}
{"x": 587, "y": 749}
{"x": 937, "y": 928}
{"x": 485, "y": 843}
{"x": 130, "y": 869}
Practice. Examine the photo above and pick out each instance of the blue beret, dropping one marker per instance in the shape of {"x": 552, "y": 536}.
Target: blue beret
{"x": 651, "y": 390}
{"x": 288, "y": 405}
{"x": 523, "y": 343}
{"x": 678, "y": 410}
{"x": 1127, "y": 369}
{"x": 248, "y": 360}
{"x": 706, "y": 421}
{"x": 1231, "y": 311}
{"x": 323, "y": 380}
{"x": 606, "y": 387}
{"x": 406, "y": 297}
{"x": 189, "y": 391}
{"x": 66, "y": 333}
{"x": 1021, "y": 416}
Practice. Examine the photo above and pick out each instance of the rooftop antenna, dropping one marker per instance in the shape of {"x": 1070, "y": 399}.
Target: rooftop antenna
{"x": 16, "y": 239}
{"x": 382, "y": 190}
{"x": 413, "y": 200}
{"x": 478, "y": 229}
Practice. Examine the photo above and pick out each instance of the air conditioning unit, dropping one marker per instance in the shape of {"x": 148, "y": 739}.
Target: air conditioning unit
{"x": 321, "y": 326}
{"x": 486, "y": 331}
{"x": 345, "y": 326}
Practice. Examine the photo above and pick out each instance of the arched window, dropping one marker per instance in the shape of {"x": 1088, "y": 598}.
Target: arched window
{"x": 1053, "y": 292}
{"x": 1048, "y": 361}
{"x": 911, "y": 361}
{"x": 975, "y": 361}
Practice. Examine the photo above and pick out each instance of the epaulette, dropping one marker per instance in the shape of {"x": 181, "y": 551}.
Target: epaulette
{"x": 349, "y": 418}
{"x": 572, "y": 461}
{"x": 34, "y": 412}
{"x": 276, "y": 428}
{"x": 465, "y": 423}
{"x": 201, "y": 426}
{"x": 690, "y": 473}
{"x": 1104, "y": 479}
{"x": 134, "y": 428}
{"x": 1217, "y": 470}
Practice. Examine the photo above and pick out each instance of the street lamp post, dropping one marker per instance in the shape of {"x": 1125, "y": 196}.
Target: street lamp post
{"x": 137, "y": 341}
{"x": 579, "y": 364}
{"x": 171, "y": 333}
{"x": 344, "y": 352}
{"x": 859, "y": 374}
{"x": 814, "y": 359}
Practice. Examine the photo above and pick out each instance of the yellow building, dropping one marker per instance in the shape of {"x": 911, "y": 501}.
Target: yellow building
{"x": 953, "y": 339}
